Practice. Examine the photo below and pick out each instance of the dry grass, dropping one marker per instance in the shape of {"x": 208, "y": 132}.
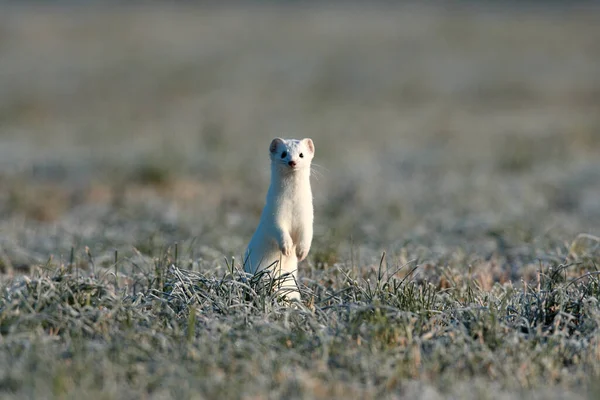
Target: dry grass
{"x": 461, "y": 144}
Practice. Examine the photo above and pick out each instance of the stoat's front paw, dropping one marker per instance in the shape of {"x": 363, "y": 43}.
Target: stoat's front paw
{"x": 286, "y": 247}
{"x": 301, "y": 252}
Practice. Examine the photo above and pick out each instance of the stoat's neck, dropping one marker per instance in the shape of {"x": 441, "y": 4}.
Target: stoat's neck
{"x": 292, "y": 182}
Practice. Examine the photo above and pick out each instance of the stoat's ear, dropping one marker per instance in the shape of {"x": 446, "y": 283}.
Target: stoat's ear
{"x": 310, "y": 145}
{"x": 274, "y": 144}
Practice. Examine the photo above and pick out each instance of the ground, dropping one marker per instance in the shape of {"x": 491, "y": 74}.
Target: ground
{"x": 456, "y": 187}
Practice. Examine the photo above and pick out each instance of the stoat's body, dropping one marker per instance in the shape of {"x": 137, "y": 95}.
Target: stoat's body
{"x": 284, "y": 233}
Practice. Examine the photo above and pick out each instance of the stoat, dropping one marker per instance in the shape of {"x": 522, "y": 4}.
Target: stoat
{"x": 284, "y": 233}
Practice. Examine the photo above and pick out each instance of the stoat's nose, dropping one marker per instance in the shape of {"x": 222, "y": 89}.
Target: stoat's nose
{"x": 292, "y": 163}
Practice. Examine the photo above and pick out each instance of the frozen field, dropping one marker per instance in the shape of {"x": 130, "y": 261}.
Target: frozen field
{"x": 462, "y": 142}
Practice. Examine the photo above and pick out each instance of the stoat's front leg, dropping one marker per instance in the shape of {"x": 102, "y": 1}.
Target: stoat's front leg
{"x": 284, "y": 241}
{"x": 305, "y": 239}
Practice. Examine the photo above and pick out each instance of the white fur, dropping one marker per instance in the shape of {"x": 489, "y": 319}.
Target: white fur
{"x": 284, "y": 233}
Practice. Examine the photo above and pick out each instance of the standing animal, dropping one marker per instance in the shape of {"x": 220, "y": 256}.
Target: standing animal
{"x": 284, "y": 233}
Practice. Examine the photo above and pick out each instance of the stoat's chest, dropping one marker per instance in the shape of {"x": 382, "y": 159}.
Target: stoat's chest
{"x": 291, "y": 205}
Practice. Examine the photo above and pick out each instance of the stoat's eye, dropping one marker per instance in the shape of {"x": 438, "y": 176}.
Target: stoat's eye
{"x": 301, "y": 155}
{"x": 284, "y": 154}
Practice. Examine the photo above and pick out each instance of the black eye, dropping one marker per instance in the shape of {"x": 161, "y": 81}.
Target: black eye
{"x": 301, "y": 155}
{"x": 284, "y": 154}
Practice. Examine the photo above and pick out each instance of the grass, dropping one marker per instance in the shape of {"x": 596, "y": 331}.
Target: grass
{"x": 167, "y": 331}
{"x": 457, "y": 201}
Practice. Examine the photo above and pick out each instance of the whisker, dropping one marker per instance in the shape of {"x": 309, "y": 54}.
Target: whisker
{"x": 316, "y": 170}
{"x": 316, "y": 173}
{"x": 320, "y": 166}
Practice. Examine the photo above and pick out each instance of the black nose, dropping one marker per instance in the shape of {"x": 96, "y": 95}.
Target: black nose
{"x": 292, "y": 163}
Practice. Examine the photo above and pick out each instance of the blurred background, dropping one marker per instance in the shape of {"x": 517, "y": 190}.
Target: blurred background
{"x": 465, "y": 133}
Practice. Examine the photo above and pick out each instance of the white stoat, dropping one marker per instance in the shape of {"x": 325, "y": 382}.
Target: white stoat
{"x": 284, "y": 233}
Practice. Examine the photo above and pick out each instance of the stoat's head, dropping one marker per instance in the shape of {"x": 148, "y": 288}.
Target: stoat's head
{"x": 290, "y": 155}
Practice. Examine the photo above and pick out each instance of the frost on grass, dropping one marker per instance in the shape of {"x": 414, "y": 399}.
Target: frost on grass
{"x": 174, "y": 332}
{"x": 133, "y": 173}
